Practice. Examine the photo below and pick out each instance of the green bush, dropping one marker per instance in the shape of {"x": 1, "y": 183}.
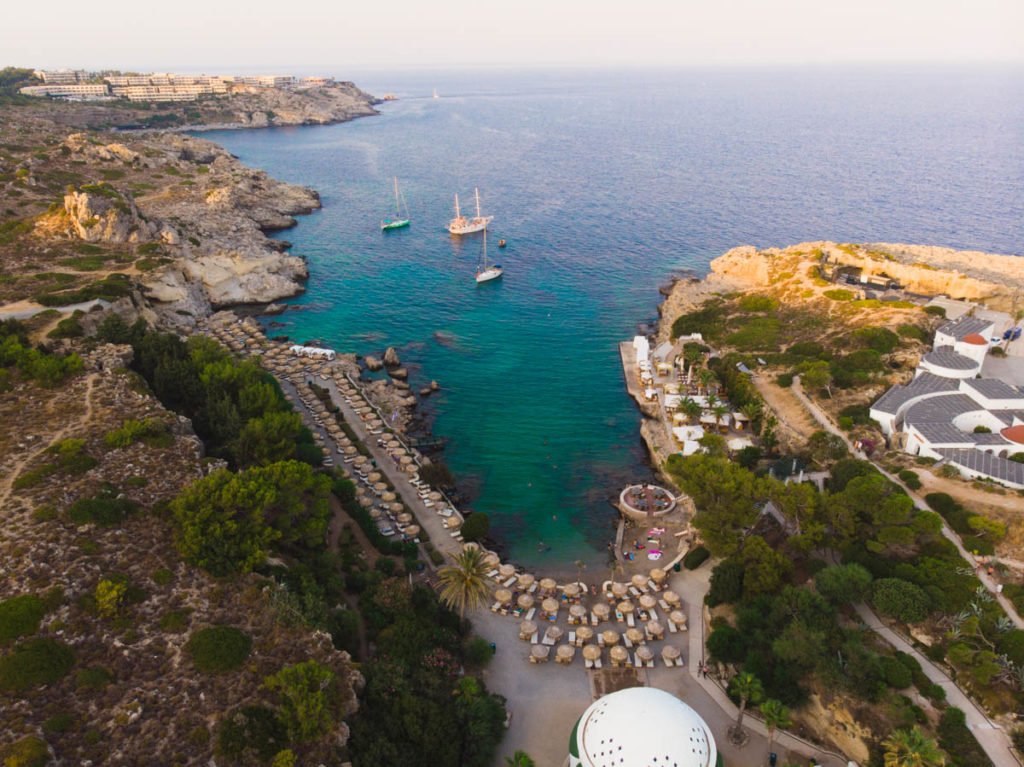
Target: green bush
{"x": 807, "y": 349}
{"x": 785, "y": 380}
{"x": 915, "y": 332}
{"x": 93, "y": 679}
{"x": 102, "y": 510}
{"x": 28, "y": 751}
{"x": 58, "y": 723}
{"x": 218, "y": 649}
{"x": 476, "y": 526}
{"x": 33, "y": 663}
{"x": 935, "y": 311}
{"x": 910, "y": 479}
{"x": 727, "y": 645}
{"x": 174, "y": 621}
{"x": 839, "y": 294}
{"x": 958, "y": 741}
{"x": 726, "y": 582}
{"x": 756, "y": 334}
{"x": 896, "y": 675}
{"x": 900, "y": 599}
{"x": 882, "y": 340}
{"x": 69, "y": 327}
{"x": 250, "y": 728}
{"x": 758, "y": 303}
{"x": 694, "y": 558}
{"x": 478, "y": 652}
{"x": 20, "y": 616}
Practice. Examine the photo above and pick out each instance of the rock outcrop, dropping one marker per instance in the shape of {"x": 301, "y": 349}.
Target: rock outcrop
{"x": 391, "y": 359}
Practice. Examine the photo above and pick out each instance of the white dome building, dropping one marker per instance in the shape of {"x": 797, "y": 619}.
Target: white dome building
{"x": 641, "y": 727}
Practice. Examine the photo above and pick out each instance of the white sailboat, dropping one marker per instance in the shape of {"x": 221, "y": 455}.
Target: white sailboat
{"x": 486, "y": 271}
{"x": 462, "y": 225}
{"x": 435, "y": 94}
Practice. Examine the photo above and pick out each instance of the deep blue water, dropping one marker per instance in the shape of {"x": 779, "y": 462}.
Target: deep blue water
{"x": 603, "y": 184}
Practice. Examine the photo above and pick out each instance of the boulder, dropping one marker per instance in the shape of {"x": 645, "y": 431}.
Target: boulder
{"x": 434, "y": 386}
{"x": 373, "y": 363}
{"x": 400, "y": 373}
{"x": 391, "y": 358}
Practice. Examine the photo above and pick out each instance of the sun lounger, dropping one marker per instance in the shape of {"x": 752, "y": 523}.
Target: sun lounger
{"x": 629, "y": 620}
{"x": 593, "y": 620}
{"x": 572, "y": 638}
{"x": 653, "y": 615}
{"x": 672, "y": 627}
{"x": 597, "y": 663}
{"x": 625, "y": 641}
{"x": 533, "y": 638}
{"x": 531, "y": 613}
{"x": 548, "y": 641}
{"x": 664, "y": 605}
{"x": 637, "y": 662}
{"x": 495, "y": 606}
{"x": 650, "y": 663}
{"x": 492, "y": 573}
{"x": 533, "y": 588}
{"x": 634, "y": 591}
{"x": 509, "y": 582}
{"x": 588, "y": 663}
{"x": 600, "y": 640}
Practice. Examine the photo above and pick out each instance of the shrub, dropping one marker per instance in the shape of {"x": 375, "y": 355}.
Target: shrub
{"x": 958, "y": 741}
{"x": 915, "y": 332}
{"x": 756, "y": 334}
{"x": 900, "y": 599}
{"x": 882, "y": 340}
{"x": 910, "y": 479}
{"x": 58, "y": 723}
{"x": 758, "y": 303}
{"x": 785, "y": 380}
{"x": 33, "y": 663}
{"x": 1017, "y": 458}
{"x": 896, "y": 675}
{"x": 726, "y": 582}
{"x": 218, "y": 649}
{"x": 843, "y": 584}
{"x": 20, "y": 616}
{"x": 694, "y": 558}
{"x": 807, "y": 349}
{"x": 102, "y": 510}
{"x": 93, "y": 679}
{"x": 28, "y": 751}
{"x": 476, "y": 526}
{"x": 250, "y": 727}
{"x": 478, "y": 652}
{"x": 174, "y": 621}
{"x": 949, "y": 471}
{"x": 839, "y": 294}
{"x": 69, "y": 327}
{"x": 727, "y": 645}
{"x": 935, "y": 311}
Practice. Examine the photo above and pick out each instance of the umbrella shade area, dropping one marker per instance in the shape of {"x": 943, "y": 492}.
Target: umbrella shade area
{"x": 435, "y": 496}
{"x": 451, "y": 523}
{"x": 577, "y": 611}
{"x": 565, "y": 652}
{"x": 672, "y": 598}
{"x": 505, "y": 571}
{"x": 526, "y": 580}
{"x": 396, "y": 508}
{"x": 625, "y": 607}
{"x": 547, "y": 585}
{"x": 640, "y": 580}
{"x": 492, "y": 559}
{"x": 619, "y": 590}
{"x": 550, "y": 606}
{"x": 366, "y": 502}
{"x": 540, "y": 652}
{"x": 388, "y": 497}
{"x": 619, "y": 654}
{"x": 554, "y": 633}
{"x": 647, "y": 602}
{"x": 571, "y": 590}
{"x": 610, "y": 637}
{"x": 503, "y": 595}
{"x": 678, "y": 617}
{"x": 591, "y": 652}
{"x": 361, "y": 460}
{"x": 527, "y": 629}
{"x": 584, "y": 634}
{"x": 412, "y": 531}
{"x": 668, "y": 652}
{"x": 525, "y": 601}
{"x": 375, "y": 513}
{"x": 350, "y": 450}
{"x": 380, "y": 487}
{"x": 373, "y": 476}
{"x": 644, "y": 653}
{"x": 601, "y": 611}
{"x": 636, "y": 636}
{"x": 655, "y": 629}
{"x": 406, "y": 517}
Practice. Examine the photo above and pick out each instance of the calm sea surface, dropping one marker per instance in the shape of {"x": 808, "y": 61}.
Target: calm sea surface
{"x": 603, "y": 184}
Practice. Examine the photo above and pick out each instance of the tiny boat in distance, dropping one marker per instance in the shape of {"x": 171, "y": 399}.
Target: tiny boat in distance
{"x": 396, "y": 221}
{"x": 487, "y": 271}
{"x": 462, "y": 225}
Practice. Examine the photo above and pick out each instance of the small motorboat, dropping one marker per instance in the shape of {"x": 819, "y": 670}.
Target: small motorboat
{"x": 502, "y": 243}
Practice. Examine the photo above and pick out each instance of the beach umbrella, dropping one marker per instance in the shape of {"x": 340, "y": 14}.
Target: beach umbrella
{"x": 658, "y": 575}
{"x": 655, "y": 629}
{"x": 640, "y": 580}
{"x": 577, "y": 611}
{"x": 668, "y": 652}
{"x": 591, "y": 652}
{"x": 404, "y": 518}
{"x": 350, "y": 449}
{"x": 412, "y": 531}
{"x": 672, "y": 598}
{"x": 584, "y": 634}
{"x": 554, "y": 633}
{"x": 527, "y": 629}
{"x": 388, "y": 497}
{"x": 506, "y": 570}
{"x": 503, "y": 595}
{"x": 376, "y": 423}
{"x": 625, "y": 607}
{"x": 373, "y": 476}
{"x": 550, "y": 606}
{"x": 398, "y": 450}
{"x": 396, "y": 508}
{"x": 526, "y": 580}
{"x": 571, "y": 590}
{"x": 525, "y": 601}
{"x": 492, "y": 559}
{"x": 547, "y": 585}
{"x": 601, "y": 611}
{"x": 619, "y": 590}
{"x": 362, "y": 459}
{"x": 610, "y": 637}
{"x": 619, "y": 655}
{"x": 393, "y": 443}
{"x": 540, "y": 651}
{"x": 678, "y": 617}
{"x": 435, "y": 496}
{"x": 470, "y": 546}
{"x": 643, "y": 652}
{"x": 634, "y": 635}
{"x": 410, "y": 468}
{"x": 375, "y": 513}
{"x": 648, "y": 602}
{"x": 365, "y": 502}
{"x": 380, "y": 487}
{"x": 565, "y": 653}
{"x": 452, "y": 522}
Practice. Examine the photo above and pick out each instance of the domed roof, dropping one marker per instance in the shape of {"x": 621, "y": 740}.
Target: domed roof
{"x": 642, "y": 726}
{"x": 1014, "y": 433}
{"x": 974, "y": 338}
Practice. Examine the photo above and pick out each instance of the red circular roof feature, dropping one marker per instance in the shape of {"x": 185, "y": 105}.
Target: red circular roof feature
{"x": 976, "y": 339}
{"x": 1014, "y": 433}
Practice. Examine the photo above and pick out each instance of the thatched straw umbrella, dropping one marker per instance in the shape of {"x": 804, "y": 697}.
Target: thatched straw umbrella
{"x": 492, "y": 559}
{"x": 540, "y": 653}
{"x": 655, "y": 629}
{"x": 577, "y": 611}
{"x": 571, "y": 590}
{"x": 601, "y": 611}
{"x": 610, "y": 637}
{"x": 565, "y": 653}
{"x": 410, "y": 468}
{"x": 388, "y": 497}
{"x": 503, "y": 595}
{"x": 412, "y": 531}
{"x": 619, "y": 655}
{"x": 396, "y": 508}
{"x": 619, "y": 590}
{"x": 658, "y": 575}
{"x": 591, "y": 652}
{"x": 365, "y": 502}
{"x": 669, "y": 653}
{"x": 526, "y": 630}
{"x": 526, "y": 580}
{"x": 644, "y": 653}
{"x": 584, "y": 634}
{"x": 635, "y": 635}
{"x": 678, "y": 617}
{"x": 373, "y": 476}
{"x": 350, "y": 450}
{"x": 647, "y": 602}
{"x": 554, "y": 633}
{"x": 506, "y": 570}
{"x": 672, "y": 598}
{"x": 375, "y": 513}
{"x": 547, "y": 586}
{"x": 471, "y": 546}
{"x": 380, "y": 487}
{"x": 361, "y": 460}
{"x": 625, "y": 607}
{"x": 404, "y": 518}
{"x": 549, "y": 606}
{"x": 435, "y": 496}
{"x": 640, "y": 580}
{"x": 525, "y": 601}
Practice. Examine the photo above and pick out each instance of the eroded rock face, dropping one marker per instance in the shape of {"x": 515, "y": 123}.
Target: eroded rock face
{"x": 105, "y": 216}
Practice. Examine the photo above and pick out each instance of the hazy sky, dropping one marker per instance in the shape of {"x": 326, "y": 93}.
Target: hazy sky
{"x": 335, "y": 35}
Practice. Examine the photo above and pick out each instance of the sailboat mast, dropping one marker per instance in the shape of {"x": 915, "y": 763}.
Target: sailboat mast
{"x": 477, "y": 192}
{"x": 398, "y": 208}
{"x": 457, "y": 213}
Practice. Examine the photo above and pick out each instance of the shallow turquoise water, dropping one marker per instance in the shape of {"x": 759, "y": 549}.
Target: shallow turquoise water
{"x": 603, "y": 185}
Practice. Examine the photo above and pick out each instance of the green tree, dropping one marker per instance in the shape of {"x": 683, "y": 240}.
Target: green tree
{"x": 748, "y": 689}
{"x": 816, "y": 376}
{"x": 308, "y": 698}
{"x": 801, "y": 504}
{"x": 775, "y": 716}
{"x": 900, "y": 599}
{"x": 519, "y": 759}
{"x": 110, "y": 596}
{"x": 464, "y": 583}
{"x": 269, "y": 439}
{"x": 763, "y": 567}
{"x": 843, "y": 584}
{"x": 910, "y": 748}
{"x": 284, "y": 758}
{"x": 826, "y": 448}
{"x": 476, "y": 526}
{"x": 691, "y": 408}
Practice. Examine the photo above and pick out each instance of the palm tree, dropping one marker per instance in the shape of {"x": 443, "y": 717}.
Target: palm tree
{"x": 464, "y": 583}
{"x": 691, "y": 408}
{"x": 720, "y": 411}
{"x": 519, "y": 759}
{"x": 580, "y": 567}
{"x": 748, "y": 689}
{"x": 752, "y": 410}
{"x": 910, "y": 748}
{"x": 775, "y": 716}
{"x": 706, "y": 377}
{"x": 692, "y": 355}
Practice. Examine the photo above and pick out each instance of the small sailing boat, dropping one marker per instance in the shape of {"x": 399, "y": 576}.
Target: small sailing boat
{"x": 435, "y": 94}
{"x": 486, "y": 271}
{"x": 462, "y": 225}
{"x": 396, "y": 221}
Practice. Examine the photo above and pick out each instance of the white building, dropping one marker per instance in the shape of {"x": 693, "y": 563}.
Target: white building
{"x": 641, "y": 726}
{"x": 948, "y": 414}
{"x": 312, "y": 352}
{"x": 76, "y": 92}
{"x": 61, "y": 76}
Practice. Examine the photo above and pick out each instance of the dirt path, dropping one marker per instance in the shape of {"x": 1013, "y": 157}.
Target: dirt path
{"x": 976, "y": 500}
{"x": 7, "y": 486}
{"x": 795, "y": 424}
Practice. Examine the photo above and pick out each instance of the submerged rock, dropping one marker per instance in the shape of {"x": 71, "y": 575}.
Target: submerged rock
{"x": 373, "y": 363}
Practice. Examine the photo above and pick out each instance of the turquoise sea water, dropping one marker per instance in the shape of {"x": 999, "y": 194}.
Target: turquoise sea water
{"x": 603, "y": 184}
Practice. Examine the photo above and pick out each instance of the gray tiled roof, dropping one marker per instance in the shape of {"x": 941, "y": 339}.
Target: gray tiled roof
{"x": 945, "y": 357}
{"x": 944, "y": 434}
{"x": 941, "y": 409}
{"x": 964, "y": 327}
{"x": 993, "y": 388}
{"x": 925, "y": 383}
{"x": 986, "y": 463}
{"x": 994, "y": 438}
